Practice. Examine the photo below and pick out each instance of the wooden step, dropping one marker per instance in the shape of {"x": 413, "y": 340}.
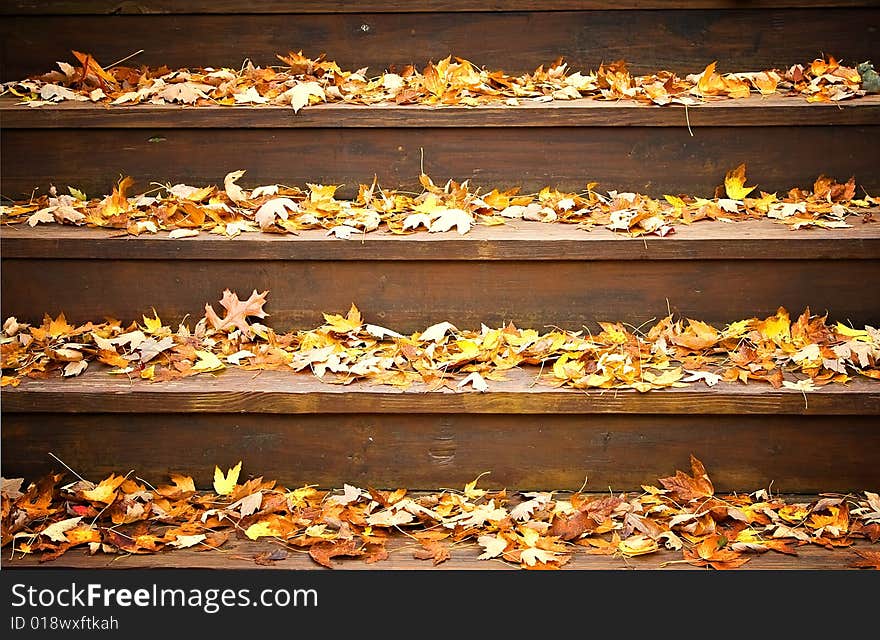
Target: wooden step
{"x": 529, "y": 436}
{"x": 681, "y": 36}
{"x": 240, "y": 554}
{"x": 529, "y": 273}
{"x": 622, "y": 146}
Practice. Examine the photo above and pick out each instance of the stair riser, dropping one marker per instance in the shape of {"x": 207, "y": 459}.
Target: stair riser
{"x": 651, "y": 160}
{"x": 411, "y": 295}
{"x": 547, "y": 452}
{"x": 681, "y": 40}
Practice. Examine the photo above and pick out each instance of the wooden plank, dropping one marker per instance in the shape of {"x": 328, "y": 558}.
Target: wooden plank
{"x": 683, "y": 41}
{"x": 650, "y": 160}
{"x": 240, "y": 554}
{"x": 515, "y": 240}
{"x": 123, "y": 7}
{"x": 281, "y": 392}
{"x": 409, "y": 448}
{"x": 410, "y": 295}
{"x": 586, "y": 112}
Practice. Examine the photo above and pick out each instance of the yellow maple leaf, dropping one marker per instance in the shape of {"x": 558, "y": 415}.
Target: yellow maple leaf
{"x": 207, "y": 362}
{"x": 470, "y": 490}
{"x": 734, "y": 183}
{"x": 340, "y": 324}
{"x": 224, "y": 485}
{"x": 106, "y": 491}
{"x": 154, "y": 324}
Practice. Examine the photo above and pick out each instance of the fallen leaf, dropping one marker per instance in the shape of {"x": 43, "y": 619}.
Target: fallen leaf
{"x": 224, "y": 484}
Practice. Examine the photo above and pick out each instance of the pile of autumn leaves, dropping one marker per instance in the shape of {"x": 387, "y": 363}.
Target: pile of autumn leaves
{"x": 302, "y": 81}
{"x": 538, "y": 530}
{"x": 797, "y": 354}
{"x": 185, "y": 211}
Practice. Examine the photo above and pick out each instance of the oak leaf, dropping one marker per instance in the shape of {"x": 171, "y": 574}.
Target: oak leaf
{"x": 237, "y": 311}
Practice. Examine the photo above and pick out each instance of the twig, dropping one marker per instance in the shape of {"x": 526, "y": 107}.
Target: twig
{"x": 128, "y": 57}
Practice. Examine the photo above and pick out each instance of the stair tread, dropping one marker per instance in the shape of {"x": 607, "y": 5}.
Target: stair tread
{"x": 753, "y": 111}
{"x": 239, "y": 554}
{"x": 515, "y": 240}
{"x": 237, "y": 390}
{"x": 114, "y": 7}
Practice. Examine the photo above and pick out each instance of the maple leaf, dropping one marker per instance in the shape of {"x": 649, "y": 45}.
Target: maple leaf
{"x": 351, "y": 322}
{"x": 711, "y": 552}
{"x": 734, "y": 183}
{"x": 449, "y": 218}
{"x": 436, "y": 332}
{"x": 224, "y": 484}
{"x": 323, "y": 552}
{"x": 350, "y": 494}
{"x": 637, "y": 545}
{"x": 301, "y": 94}
{"x": 182, "y": 487}
{"x": 493, "y": 546}
{"x": 476, "y": 381}
{"x": 106, "y": 491}
{"x": 56, "y": 530}
{"x": 183, "y": 542}
{"x": 207, "y": 362}
{"x": 867, "y": 559}
{"x": 235, "y": 193}
{"x": 275, "y": 208}
{"x": 433, "y": 550}
{"x": 692, "y": 487}
{"x": 237, "y": 311}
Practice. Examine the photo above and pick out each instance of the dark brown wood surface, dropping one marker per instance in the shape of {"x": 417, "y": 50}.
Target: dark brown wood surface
{"x": 651, "y": 160}
{"x": 410, "y": 295}
{"x": 515, "y": 240}
{"x": 240, "y": 554}
{"x": 240, "y": 391}
{"x": 114, "y": 7}
{"x": 409, "y": 448}
{"x": 684, "y": 41}
{"x": 585, "y": 112}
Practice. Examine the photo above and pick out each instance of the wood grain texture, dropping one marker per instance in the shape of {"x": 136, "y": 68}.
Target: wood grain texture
{"x": 409, "y": 295}
{"x": 515, "y": 240}
{"x": 650, "y": 160}
{"x": 749, "y": 112}
{"x": 117, "y": 7}
{"x": 239, "y": 554}
{"x": 683, "y": 41}
{"x": 417, "y": 450}
{"x": 282, "y": 392}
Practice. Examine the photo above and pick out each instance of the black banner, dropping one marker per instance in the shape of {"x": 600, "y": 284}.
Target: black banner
{"x": 127, "y": 603}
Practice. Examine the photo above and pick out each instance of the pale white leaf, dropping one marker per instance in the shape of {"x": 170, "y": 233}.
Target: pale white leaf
{"x": 235, "y": 193}
{"x": 349, "y": 494}
{"x": 711, "y": 379}
{"x": 182, "y": 542}
{"x": 275, "y": 208}
{"x": 177, "y": 234}
{"x": 493, "y": 547}
{"x": 449, "y": 218}
{"x": 74, "y": 368}
{"x": 55, "y": 531}
{"x": 476, "y": 381}
{"x": 437, "y": 331}
{"x": 381, "y": 332}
